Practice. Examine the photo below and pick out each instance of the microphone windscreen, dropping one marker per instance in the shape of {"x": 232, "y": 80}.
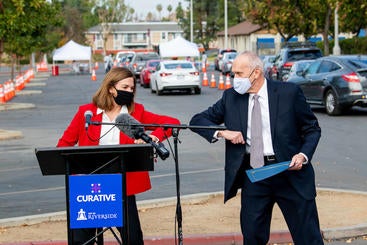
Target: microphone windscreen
{"x": 124, "y": 122}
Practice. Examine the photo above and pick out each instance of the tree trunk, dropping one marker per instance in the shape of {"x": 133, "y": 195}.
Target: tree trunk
{"x": 325, "y": 33}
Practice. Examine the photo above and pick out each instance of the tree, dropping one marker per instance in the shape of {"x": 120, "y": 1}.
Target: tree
{"x": 108, "y": 12}
{"x": 159, "y": 9}
{"x": 208, "y": 17}
{"x": 352, "y": 16}
{"x": 25, "y": 27}
{"x": 169, "y": 9}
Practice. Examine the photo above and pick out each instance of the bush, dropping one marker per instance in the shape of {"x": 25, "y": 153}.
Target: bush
{"x": 355, "y": 45}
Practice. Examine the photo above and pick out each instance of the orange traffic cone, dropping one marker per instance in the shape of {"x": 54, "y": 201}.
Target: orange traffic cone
{"x": 213, "y": 83}
{"x": 96, "y": 66}
{"x": 205, "y": 82}
{"x": 2, "y": 94}
{"x": 221, "y": 82}
{"x": 94, "y": 77}
{"x": 203, "y": 67}
{"x": 228, "y": 82}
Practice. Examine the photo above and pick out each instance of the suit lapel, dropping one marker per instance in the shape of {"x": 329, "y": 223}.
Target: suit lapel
{"x": 243, "y": 109}
{"x": 273, "y": 98}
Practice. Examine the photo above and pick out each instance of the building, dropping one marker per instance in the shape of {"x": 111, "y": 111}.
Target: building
{"x": 247, "y": 36}
{"x": 132, "y": 36}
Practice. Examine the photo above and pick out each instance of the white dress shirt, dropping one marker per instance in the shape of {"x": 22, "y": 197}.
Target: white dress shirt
{"x": 265, "y": 119}
{"x": 110, "y": 134}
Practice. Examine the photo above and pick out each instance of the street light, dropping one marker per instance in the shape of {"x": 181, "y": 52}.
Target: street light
{"x": 336, "y": 49}
{"x": 225, "y": 25}
{"x": 191, "y": 23}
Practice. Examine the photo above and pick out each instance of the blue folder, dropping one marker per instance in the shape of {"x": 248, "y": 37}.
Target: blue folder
{"x": 258, "y": 174}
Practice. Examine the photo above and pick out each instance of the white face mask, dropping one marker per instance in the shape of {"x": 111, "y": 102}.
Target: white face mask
{"x": 241, "y": 84}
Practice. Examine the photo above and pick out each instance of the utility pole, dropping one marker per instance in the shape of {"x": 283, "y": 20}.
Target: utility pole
{"x": 225, "y": 25}
{"x": 191, "y": 23}
{"x": 336, "y": 48}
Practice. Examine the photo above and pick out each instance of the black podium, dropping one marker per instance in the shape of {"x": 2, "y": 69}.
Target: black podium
{"x": 87, "y": 160}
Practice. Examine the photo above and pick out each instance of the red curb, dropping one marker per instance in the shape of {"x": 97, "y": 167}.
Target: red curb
{"x": 204, "y": 239}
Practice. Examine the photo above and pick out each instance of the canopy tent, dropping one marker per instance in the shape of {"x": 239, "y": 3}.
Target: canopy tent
{"x": 73, "y": 51}
{"x": 178, "y": 47}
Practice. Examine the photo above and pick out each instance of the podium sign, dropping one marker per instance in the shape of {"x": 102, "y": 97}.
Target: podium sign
{"x": 95, "y": 201}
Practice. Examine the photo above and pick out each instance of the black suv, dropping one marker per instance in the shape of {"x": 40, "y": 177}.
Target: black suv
{"x": 291, "y": 52}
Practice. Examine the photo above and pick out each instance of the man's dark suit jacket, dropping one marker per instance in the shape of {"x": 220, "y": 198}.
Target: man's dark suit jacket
{"x": 294, "y": 129}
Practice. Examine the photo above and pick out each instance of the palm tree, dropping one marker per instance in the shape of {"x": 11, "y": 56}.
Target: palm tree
{"x": 169, "y": 9}
{"x": 159, "y": 9}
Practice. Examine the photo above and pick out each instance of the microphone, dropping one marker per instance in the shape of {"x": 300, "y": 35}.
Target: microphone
{"x": 87, "y": 115}
{"x": 131, "y": 127}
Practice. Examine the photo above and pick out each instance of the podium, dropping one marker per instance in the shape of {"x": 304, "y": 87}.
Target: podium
{"x": 76, "y": 162}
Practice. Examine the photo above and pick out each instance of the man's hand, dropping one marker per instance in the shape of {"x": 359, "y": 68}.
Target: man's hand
{"x": 297, "y": 162}
{"x": 234, "y": 136}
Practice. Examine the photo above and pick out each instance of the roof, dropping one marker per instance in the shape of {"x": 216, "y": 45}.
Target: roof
{"x": 140, "y": 27}
{"x": 243, "y": 28}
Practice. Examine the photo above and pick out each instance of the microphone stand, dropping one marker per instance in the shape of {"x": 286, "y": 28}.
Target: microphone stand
{"x": 175, "y": 131}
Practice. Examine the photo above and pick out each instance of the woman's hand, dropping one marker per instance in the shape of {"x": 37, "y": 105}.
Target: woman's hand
{"x": 140, "y": 141}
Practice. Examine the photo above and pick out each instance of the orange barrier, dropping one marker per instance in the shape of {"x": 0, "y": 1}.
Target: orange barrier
{"x": 213, "y": 83}
{"x": 221, "y": 82}
{"x": 205, "y": 81}
{"x": 94, "y": 77}
{"x": 42, "y": 66}
{"x": 2, "y": 94}
{"x": 19, "y": 83}
{"x": 228, "y": 82}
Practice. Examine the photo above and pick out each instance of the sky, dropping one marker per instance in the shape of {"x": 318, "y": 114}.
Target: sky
{"x": 142, "y": 7}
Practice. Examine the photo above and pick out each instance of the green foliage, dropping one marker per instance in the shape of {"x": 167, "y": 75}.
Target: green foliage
{"x": 25, "y": 25}
{"x": 355, "y": 45}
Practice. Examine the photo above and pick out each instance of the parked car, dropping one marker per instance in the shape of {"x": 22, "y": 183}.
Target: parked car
{"x": 297, "y": 69}
{"x": 291, "y": 52}
{"x": 175, "y": 75}
{"x": 337, "y": 82}
{"x": 268, "y": 61}
{"x": 146, "y": 72}
{"x": 220, "y": 56}
{"x": 138, "y": 60}
{"x": 226, "y": 62}
{"x": 122, "y": 59}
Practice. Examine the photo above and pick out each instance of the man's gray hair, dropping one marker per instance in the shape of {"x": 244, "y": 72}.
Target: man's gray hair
{"x": 253, "y": 60}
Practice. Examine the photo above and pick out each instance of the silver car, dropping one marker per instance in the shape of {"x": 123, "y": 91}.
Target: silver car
{"x": 226, "y": 62}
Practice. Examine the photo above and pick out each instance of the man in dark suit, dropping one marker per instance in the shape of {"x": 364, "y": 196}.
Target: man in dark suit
{"x": 289, "y": 131}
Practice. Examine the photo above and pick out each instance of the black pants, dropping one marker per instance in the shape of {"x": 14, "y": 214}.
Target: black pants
{"x": 257, "y": 202}
{"x": 80, "y": 236}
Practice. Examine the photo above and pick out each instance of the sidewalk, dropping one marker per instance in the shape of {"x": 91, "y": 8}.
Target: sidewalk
{"x": 330, "y": 201}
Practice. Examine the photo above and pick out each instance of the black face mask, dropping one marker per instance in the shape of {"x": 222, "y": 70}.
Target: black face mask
{"x": 124, "y": 97}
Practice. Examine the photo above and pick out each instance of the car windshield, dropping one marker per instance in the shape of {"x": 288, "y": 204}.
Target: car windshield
{"x": 231, "y": 56}
{"x": 147, "y": 57}
{"x": 173, "y": 66}
{"x": 153, "y": 63}
{"x": 303, "y": 55}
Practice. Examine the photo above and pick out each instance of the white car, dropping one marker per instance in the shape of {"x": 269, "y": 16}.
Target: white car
{"x": 175, "y": 75}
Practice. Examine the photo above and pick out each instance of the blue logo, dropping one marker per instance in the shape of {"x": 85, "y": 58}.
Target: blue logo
{"x": 95, "y": 201}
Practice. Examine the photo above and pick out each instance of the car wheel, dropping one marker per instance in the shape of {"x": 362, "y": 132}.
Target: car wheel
{"x": 151, "y": 89}
{"x": 197, "y": 90}
{"x": 146, "y": 85}
{"x": 159, "y": 92}
{"x": 331, "y": 104}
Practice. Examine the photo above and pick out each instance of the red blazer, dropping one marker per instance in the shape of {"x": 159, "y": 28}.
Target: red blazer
{"x": 136, "y": 182}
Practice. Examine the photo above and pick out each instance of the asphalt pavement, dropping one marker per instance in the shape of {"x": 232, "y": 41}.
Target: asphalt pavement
{"x": 350, "y": 235}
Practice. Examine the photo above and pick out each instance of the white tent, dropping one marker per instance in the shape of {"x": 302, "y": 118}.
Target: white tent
{"x": 73, "y": 51}
{"x": 178, "y": 47}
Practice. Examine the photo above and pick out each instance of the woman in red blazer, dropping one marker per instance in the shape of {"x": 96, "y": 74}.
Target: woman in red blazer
{"x": 115, "y": 96}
